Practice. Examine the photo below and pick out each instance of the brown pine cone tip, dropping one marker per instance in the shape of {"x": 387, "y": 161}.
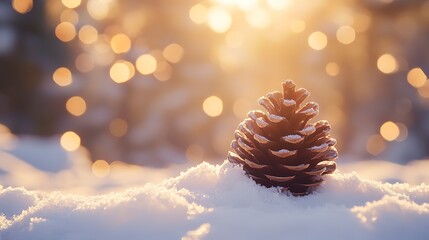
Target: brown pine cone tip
{"x": 279, "y": 148}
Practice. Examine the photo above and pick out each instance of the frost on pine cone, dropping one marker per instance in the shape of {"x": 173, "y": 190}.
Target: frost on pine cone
{"x": 280, "y": 148}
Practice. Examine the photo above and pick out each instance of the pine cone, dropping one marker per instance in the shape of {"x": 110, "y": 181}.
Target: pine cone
{"x": 280, "y": 148}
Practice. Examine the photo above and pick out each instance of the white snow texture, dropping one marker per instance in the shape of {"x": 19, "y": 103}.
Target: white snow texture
{"x": 220, "y": 202}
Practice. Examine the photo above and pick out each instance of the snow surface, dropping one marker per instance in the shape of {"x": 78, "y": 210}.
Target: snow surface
{"x": 220, "y": 202}
{"x": 48, "y": 193}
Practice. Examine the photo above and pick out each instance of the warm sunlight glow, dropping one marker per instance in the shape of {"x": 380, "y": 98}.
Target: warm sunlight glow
{"x": 375, "y": 145}
{"x": 173, "y": 53}
{"x": 279, "y": 4}
{"x": 22, "y": 6}
{"x": 389, "y": 130}
{"x": 65, "y": 31}
{"x": 118, "y": 127}
{"x": 258, "y": 18}
{"x": 163, "y": 71}
{"x": 198, "y": 13}
{"x": 62, "y": 77}
{"x": 213, "y": 106}
{"x": 76, "y": 106}
{"x": 386, "y": 63}
{"x": 234, "y": 39}
{"x": 120, "y": 43}
{"x": 70, "y": 141}
{"x": 346, "y": 34}
{"x": 416, "y": 77}
{"x": 332, "y": 69}
{"x": 88, "y": 34}
{"x": 100, "y": 168}
{"x": 122, "y": 71}
{"x": 71, "y": 3}
{"x": 317, "y": 40}
{"x": 146, "y": 64}
{"x": 219, "y": 19}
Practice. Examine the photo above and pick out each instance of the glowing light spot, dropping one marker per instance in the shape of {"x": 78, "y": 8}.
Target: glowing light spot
{"x": 375, "y": 145}
{"x": 118, "y": 127}
{"x": 317, "y": 40}
{"x": 297, "y": 26}
{"x": 100, "y": 168}
{"x": 198, "y": 13}
{"x": 88, "y": 34}
{"x": 234, "y": 39}
{"x": 389, "y": 130}
{"x": 84, "y": 62}
{"x": 71, "y": 3}
{"x": 122, "y": 71}
{"x": 65, "y": 31}
{"x": 76, "y": 106}
{"x": 219, "y": 19}
{"x": 69, "y": 15}
{"x": 70, "y": 141}
{"x": 416, "y": 77}
{"x": 279, "y": 4}
{"x": 240, "y": 108}
{"x": 195, "y": 152}
{"x": 120, "y": 43}
{"x": 62, "y": 77}
{"x": 173, "y": 53}
{"x": 346, "y": 34}
{"x": 98, "y": 9}
{"x": 258, "y": 18}
{"x": 22, "y": 6}
{"x": 213, "y": 106}
{"x": 146, "y": 64}
{"x": 332, "y": 69}
{"x": 386, "y": 63}
{"x": 424, "y": 90}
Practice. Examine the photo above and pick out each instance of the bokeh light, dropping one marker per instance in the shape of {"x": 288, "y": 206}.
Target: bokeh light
{"x": 297, "y": 26}
{"x": 22, "y": 6}
{"x": 198, "y": 13}
{"x": 71, "y": 3}
{"x": 122, "y": 71}
{"x": 69, "y": 15}
{"x": 76, "y": 105}
{"x": 346, "y": 34}
{"x": 213, "y": 106}
{"x": 84, "y": 62}
{"x": 120, "y": 43}
{"x": 173, "y": 53}
{"x": 70, "y": 141}
{"x": 146, "y": 64}
{"x": 375, "y": 144}
{"x": 65, "y": 31}
{"x": 389, "y": 131}
{"x": 219, "y": 19}
{"x": 88, "y": 34}
{"x": 62, "y": 76}
{"x": 118, "y": 127}
{"x": 332, "y": 69}
{"x": 386, "y": 63}
{"x": 100, "y": 168}
{"x": 416, "y": 77}
{"x": 317, "y": 40}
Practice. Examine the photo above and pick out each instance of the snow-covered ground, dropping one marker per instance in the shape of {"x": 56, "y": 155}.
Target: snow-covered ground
{"x": 48, "y": 193}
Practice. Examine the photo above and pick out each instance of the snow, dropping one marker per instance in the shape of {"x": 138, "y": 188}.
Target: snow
{"x": 64, "y": 200}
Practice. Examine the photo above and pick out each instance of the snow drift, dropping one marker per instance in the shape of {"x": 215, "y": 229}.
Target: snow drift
{"x": 220, "y": 202}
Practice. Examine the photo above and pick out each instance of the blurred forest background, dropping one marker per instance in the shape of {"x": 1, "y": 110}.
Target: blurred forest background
{"x": 160, "y": 82}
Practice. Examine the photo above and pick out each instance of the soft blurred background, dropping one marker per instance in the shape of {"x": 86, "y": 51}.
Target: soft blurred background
{"x": 159, "y": 83}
